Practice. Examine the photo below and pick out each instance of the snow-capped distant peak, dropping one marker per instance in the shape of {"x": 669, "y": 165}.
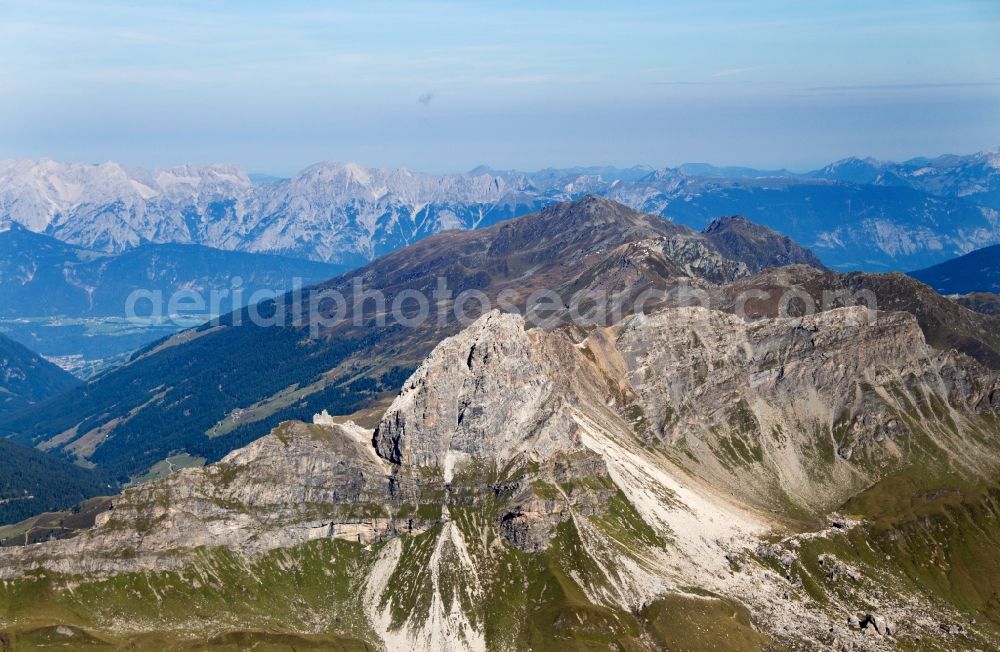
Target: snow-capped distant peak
{"x": 346, "y": 212}
{"x": 993, "y": 158}
{"x": 357, "y": 173}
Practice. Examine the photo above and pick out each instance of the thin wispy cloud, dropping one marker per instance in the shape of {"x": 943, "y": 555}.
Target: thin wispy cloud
{"x": 904, "y": 87}
{"x": 118, "y": 79}
{"x": 685, "y": 83}
{"x": 732, "y": 72}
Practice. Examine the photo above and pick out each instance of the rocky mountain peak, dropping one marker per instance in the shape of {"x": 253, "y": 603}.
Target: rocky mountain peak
{"x": 757, "y": 246}
{"x": 727, "y": 221}
{"x": 606, "y": 468}
{"x": 349, "y": 213}
{"x": 449, "y": 409}
{"x": 594, "y": 218}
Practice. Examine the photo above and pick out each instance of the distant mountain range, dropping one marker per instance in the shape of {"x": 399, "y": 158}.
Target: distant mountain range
{"x": 974, "y": 177}
{"x": 69, "y": 303}
{"x": 42, "y": 276}
{"x": 856, "y": 213}
{"x": 725, "y": 470}
{"x": 209, "y": 390}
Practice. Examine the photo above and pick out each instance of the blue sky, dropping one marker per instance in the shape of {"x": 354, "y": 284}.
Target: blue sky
{"x": 444, "y": 86}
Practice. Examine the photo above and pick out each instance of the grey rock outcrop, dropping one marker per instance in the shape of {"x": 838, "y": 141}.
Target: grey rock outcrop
{"x": 301, "y": 482}
{"x": 645, "y": 456}
{"x": 489, "y": 374}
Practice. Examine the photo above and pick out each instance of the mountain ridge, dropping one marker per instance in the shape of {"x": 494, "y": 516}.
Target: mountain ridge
{"x": 737, "y": 238}
{"x": 215, "y": 388}
{"x": 33, "y": 482}
{"x": 43, "y": 276}
{"x": 976, "y": 271}
{"x": 791, "y": 457}
{"x": 27, "y": 378}
{"x": 347, "y": 213}
{"x": 527, "y": 485}
{"x": 218, "y": 386}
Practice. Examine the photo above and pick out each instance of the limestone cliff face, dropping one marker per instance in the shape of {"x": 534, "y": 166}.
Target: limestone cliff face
{"x": 812, "y": 408}
{"x": 667, "y": 451}
{"x": 808, "y": 409}
{"x": 301, "y": 482}
{"x": 486, "y": 393}
{"x": 713, "y": 428}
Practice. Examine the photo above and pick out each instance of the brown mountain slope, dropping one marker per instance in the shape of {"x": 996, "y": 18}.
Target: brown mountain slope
{"x": 945, "y": 324}
{"x": 534, "y": 489}
{"x": 987, "y": 303}
{"x": 737, "y": 238}
{"x": 213, "y": 389}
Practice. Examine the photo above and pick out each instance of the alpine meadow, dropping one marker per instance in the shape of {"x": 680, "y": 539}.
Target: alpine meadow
{"x": 424, "y": 326}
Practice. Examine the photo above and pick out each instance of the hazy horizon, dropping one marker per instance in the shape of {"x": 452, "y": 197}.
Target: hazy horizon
{"x": 444, "y": 87}
{"x": 583, "y": 166}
